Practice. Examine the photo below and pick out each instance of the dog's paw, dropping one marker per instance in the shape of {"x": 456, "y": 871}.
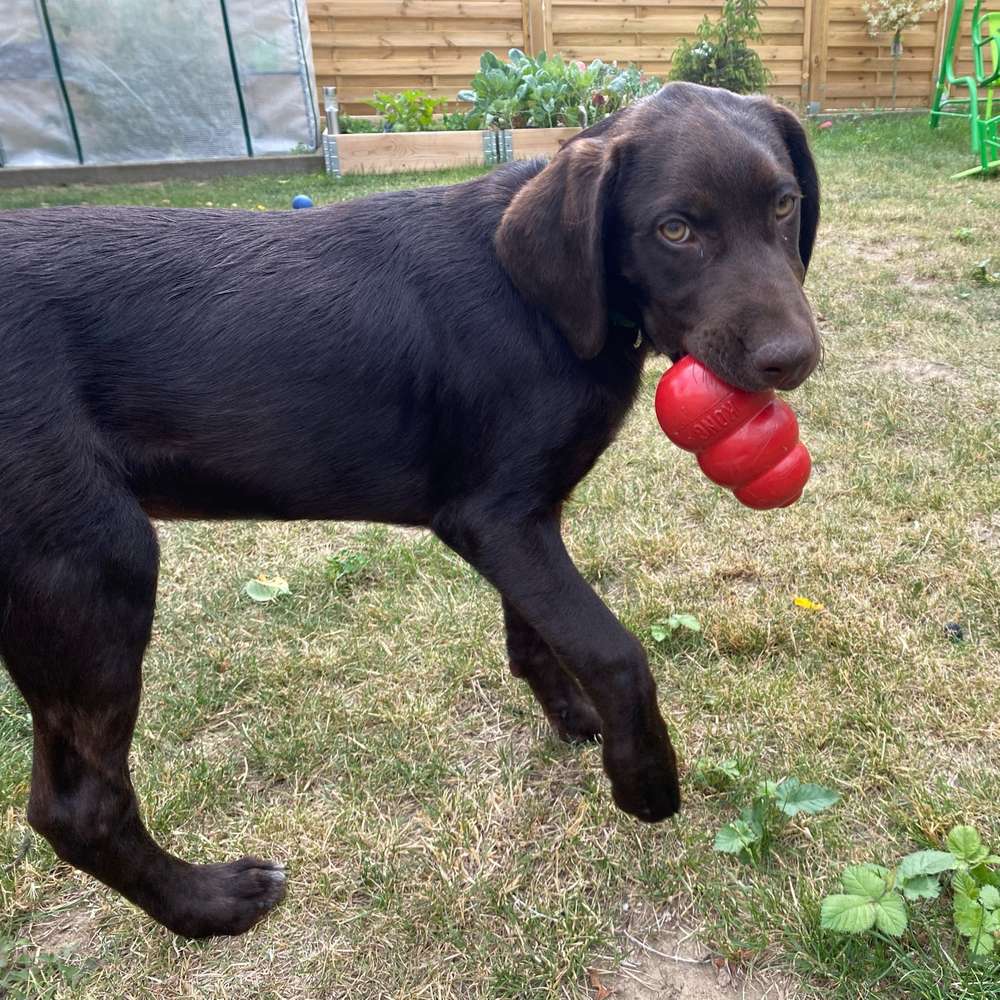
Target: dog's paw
{"x": 644, "y": 783}
{"x": 576, "y": 723}
{"x": 225, "y": 899}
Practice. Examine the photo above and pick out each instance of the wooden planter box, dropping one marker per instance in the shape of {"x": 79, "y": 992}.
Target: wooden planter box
{"x": 392, "y": 152}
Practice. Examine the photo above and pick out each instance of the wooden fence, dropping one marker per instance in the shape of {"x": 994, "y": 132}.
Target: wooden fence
{"x": 818, "y": 51}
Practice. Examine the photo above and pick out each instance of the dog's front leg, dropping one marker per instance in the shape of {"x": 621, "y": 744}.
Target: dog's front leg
{"x": 525, "y": 559}
{"x": 567, "y": 708}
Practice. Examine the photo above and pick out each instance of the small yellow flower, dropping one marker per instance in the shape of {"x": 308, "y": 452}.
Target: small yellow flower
{"x": 804, "y": 602}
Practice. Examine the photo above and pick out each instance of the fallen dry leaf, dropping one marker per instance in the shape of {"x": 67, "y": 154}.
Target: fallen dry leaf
{"x": 601, "y": 991}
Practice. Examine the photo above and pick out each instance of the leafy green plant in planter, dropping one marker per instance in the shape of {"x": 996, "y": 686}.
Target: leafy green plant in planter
{"x": 349, "y": 125}
{"x": 722, "y": 57}
{"x": 408, "y": 111}
{"x": 549, "y": 91}
{"x": 874, "y": 899}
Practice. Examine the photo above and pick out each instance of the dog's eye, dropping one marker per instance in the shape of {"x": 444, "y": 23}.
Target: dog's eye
{"x": 785, "y": 206}
{"x": 675, "y": 231}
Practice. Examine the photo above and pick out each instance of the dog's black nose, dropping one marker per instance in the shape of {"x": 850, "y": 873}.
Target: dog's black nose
{"x": 785, "y": 362}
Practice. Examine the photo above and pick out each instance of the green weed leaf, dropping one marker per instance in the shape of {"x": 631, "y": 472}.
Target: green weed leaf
{"x": 868, "y": 902}
{"x": 918, "y": 873}
{"x": 963, "y": 884}
{"x": 927, "y": 863}
{"x": 666, "y": 627}
{"x": 989, "y": 896}
{"x": 966, "y": 844}
{"x": 767, "y": 789}
{"x": 736, "y": 837}
{"x": 847, "y": 914}
{"x": 263, "y": 589}
{"x": 345, "y": 565}
{"x": 685, "y": 621}
{"x": 717, "y": 774}
{"x": 870, "y": 881}
{"x": 793, "y": 797}
{"x": 976, "y": 922}
{"x": 921, "y": 887}
{"x": 755, "y": 815}
{"x": 985, "y": 875}
{"x": 890, "y": 914}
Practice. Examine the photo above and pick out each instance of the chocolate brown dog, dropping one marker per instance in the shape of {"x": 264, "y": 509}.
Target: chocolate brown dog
{"x": 472, "y": 353}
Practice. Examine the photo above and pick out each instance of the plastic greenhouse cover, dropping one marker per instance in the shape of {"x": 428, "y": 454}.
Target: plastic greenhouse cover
{"x": 155, "y": 81}
{"x": 34, "y": 126}
{"x": 274, "y": 59}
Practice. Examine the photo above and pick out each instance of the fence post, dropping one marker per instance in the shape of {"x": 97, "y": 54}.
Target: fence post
{"x": 816, "y": 54}
{"x": 940, "y": 33}
{"x": 537, "y": 19}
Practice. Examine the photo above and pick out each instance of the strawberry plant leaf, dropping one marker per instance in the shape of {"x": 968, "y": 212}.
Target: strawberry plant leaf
{"x": 870, "y": 881}
{"x": 984, "y": 875}
{"x": 921, "y": 887}
{"x": 847, "y": 914}
{"x": 736, "y": 837}
{"x": 767, "y": 789}
{"x": 717, "y": 774}
{"x": 755, "y": 816}
{"x": 966, "y": 844}
{"x": 969, "y": 915}
{"x": 964, "y": 884}
{"x": 890, "y": 914}
{"x": 977, "y": 923}
{"x": 927, "y": 863}
{"x": 989, "y": 896}
{"x": 793, "y": 797}
{"x": 983, "y": 944}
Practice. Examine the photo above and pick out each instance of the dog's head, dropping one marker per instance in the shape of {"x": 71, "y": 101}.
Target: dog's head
{"x": 691, "y": 214}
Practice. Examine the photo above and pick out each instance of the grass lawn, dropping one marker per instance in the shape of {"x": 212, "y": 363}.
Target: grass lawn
{"x": 440, "y": 843}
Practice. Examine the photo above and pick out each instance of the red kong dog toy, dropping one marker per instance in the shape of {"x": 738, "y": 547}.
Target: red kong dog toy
{"x": 746, "y": 441}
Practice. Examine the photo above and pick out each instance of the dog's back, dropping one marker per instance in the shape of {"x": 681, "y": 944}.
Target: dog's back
{"x": 241, "y": 363}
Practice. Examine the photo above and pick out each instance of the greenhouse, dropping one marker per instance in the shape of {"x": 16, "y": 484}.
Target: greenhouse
{"x": 88, "y": 82}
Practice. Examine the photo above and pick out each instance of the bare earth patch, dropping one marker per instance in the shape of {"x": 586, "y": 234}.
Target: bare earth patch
{"x": 918, "y": 282}
{"x": 921, "y": 370}
{"x": 69, "y": 930}
{"x": 673, "y": 965}
{"x": 986, "y": 529}
{"x": 880, "y": 252}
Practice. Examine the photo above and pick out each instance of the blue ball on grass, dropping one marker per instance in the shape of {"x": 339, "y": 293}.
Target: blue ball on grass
{"x": 302, "y": 201}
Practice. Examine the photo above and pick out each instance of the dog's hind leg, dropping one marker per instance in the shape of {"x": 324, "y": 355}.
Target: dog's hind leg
{"x": 568, "y": 709}
{"x": 76, "y": 607}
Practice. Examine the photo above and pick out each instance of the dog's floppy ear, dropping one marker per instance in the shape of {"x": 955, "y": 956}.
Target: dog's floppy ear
{"x": 551, "y": 241}
{"x": 797, "y": 145}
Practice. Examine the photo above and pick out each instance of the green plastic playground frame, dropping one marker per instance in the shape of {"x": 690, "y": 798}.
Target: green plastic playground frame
{"x": 984, "y": 125}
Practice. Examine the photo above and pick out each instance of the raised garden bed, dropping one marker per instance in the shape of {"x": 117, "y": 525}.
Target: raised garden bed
{"x": 391, "y": 152}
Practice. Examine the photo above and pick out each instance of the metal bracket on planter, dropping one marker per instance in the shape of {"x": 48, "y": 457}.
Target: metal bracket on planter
{"x": 490, "y": 148}
{"x": 331, "y": 156}
{"x": 498, "y": 146}
{"x": 505, "y": 145}
{"x": 331, "y": 110}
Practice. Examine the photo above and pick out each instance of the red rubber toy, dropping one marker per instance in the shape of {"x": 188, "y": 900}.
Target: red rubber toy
{"x": 745, "y": 441}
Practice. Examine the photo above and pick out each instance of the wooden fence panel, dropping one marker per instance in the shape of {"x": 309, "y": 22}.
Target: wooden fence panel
{"x": 360, "y": 46}
{"x": 648, "y": 33}
{"x": 818, "y": 51}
